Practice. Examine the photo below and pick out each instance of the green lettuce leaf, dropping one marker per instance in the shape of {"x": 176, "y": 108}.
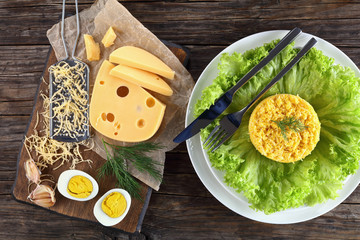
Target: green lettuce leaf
{"x": 332, "y": 90}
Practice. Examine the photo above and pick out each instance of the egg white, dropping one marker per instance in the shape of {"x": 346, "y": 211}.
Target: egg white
{"x": 64, "y": 179}
{"x": 102, "y": 217}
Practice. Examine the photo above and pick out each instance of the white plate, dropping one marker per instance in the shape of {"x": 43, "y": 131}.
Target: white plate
{"x": 213, "y": 179}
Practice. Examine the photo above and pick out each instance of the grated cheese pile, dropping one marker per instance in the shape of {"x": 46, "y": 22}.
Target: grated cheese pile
{"x": 69, "y": 99}
{"x": 266, "y": 136}
{"x": 47, "y": 150}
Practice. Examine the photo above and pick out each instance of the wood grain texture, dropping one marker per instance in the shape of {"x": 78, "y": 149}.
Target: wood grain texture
{"x": 81, "y": 210}
{"x": 182, "y": 208}
{"x": 204, "y": 23}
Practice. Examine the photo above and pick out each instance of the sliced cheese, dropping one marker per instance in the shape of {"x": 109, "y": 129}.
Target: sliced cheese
{"x": 122, "y": 110}
{"x": 142, "y": 78}
{"x": 139, "y": 58}
{"x": 92, "y": 48}
{"x": 109, "y": 37}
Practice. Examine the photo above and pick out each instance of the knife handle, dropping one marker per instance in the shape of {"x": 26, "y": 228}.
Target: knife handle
{"x": 275, "y": 51}
{"x": 225, "y": 100}
{"x": 290, "y": 65}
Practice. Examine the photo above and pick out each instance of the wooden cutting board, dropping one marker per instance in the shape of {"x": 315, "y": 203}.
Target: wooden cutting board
{"x": 82, "y": 210}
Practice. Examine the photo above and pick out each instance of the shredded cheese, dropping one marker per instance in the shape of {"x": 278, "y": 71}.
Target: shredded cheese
{"x": 69, "y": 100}
{"x": 46, "y": 151}
{"x": 266, "y": 136}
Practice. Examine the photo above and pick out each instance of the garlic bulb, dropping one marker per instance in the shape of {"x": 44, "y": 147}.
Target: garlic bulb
{"x": 32, "y": 172}
{"x": 43, "y": 195}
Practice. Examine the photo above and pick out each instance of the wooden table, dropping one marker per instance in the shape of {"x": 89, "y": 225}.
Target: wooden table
{"x": 183, "y": 208}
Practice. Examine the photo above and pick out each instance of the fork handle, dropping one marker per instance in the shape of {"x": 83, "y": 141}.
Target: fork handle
{"x": 302, "y": 52}
{"x": 275, "y": 51}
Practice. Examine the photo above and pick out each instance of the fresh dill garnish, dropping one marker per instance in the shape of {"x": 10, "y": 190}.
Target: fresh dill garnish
{"x": 136, "y": 154}
{"x": 290, "y": 123}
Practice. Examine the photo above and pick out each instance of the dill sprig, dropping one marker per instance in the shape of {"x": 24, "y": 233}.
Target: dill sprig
{"x": 290, "y": 123}
{"x": 136, "y": 154}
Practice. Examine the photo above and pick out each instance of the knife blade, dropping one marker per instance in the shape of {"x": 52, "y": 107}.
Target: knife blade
{"x": 224, "y": 101}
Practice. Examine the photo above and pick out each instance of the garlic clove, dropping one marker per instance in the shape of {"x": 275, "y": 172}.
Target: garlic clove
{"x": 32, "y": 172}
{"x": 43, "y": 195}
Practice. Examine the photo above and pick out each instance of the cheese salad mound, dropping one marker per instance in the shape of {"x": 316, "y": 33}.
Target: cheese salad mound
{"x": 289, "y": 145}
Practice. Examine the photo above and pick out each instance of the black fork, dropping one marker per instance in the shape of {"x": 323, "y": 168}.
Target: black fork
{"x": 231, "y": 122}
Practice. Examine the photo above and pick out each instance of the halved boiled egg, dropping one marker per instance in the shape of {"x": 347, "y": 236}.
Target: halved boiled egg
{"x": 77, "y": 185}
{"x": 112, "y": 207}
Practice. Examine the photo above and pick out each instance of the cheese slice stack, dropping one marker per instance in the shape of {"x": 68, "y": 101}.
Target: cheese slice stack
{"x": 142, "y": 78}
{"x": 122, "y": 110}
{"x": 139, "y": 58}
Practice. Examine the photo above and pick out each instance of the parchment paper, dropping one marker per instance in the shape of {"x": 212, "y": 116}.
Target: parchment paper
{"x": 95, "y": 21}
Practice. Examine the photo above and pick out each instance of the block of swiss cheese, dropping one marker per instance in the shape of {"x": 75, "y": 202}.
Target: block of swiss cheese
{"x": 121, "y": 110}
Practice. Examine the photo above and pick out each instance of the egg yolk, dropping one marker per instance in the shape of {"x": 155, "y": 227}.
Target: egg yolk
{"x": 286, "y": 144}
{"x": 114, "y": 204}
{"x": 79, "y": 187}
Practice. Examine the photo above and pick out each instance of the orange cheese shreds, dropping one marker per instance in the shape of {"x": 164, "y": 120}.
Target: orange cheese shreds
{"x": 266, "y": 135}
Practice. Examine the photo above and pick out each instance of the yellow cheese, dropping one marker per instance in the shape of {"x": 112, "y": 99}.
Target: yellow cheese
{"x": 109, "y": 37}
{"x": 142, "y": 78}
{"x": 267, "y": 137}
{"x": 92, "y": 48}
{"x": 139, "y": 58}
{"x": 122, "y": 110}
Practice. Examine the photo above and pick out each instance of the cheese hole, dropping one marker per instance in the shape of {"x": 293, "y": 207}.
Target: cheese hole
{"x": 150, "y": 102}
{"x": 101, "y": 82}
{"x": 141, "y": 123}
{"x": 103, "y": 116}
{"x": 122, "y": 91}
{"x": 117, "y": 125}
{"x": 110, "y": 117}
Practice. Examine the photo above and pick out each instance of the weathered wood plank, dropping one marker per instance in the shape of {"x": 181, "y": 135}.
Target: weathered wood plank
{"x": 204, "y": 217}
{"x": 19, "y": 108}
{"x": 187, "y": 217}
{"x": 21, "y": 76}
{"x": 18, "y": 92}
{"x": 24, "y": 64}
{"x": 203, "y": 23}
{"x": 21, "y": 61}
{"x": 48, "y": 225}
{"x": 178, "y": 163}
{"x": 12, "y": 129}
{"x": 9, "y": 153}
{"x": 177, "y": 211}
{"x": 207, "y": 32}
{"x": 184, "y": 185}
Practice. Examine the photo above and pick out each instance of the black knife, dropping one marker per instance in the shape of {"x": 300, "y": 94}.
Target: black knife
{"x": 224, "y": 101}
